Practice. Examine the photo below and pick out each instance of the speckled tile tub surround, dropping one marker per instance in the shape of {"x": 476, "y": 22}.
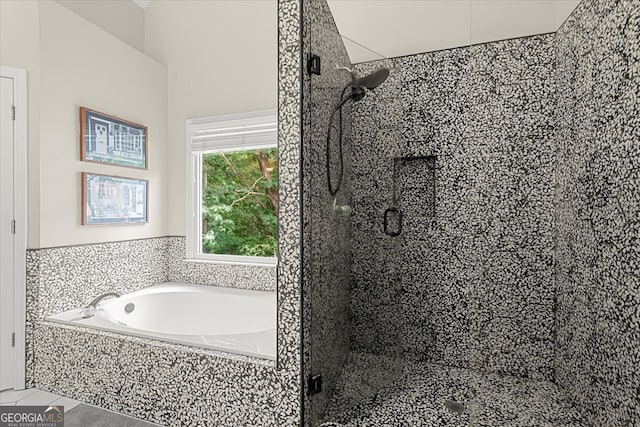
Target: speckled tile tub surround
{"x": 326, "y": 276}
{"x": 162, "y": 383}
{"x": 176, "y": 385}
{"x": 470, "y": 283}
{"x": 63, "y": 278}
{"x": 66, "y": 277}
{"x": 597, "y": 218}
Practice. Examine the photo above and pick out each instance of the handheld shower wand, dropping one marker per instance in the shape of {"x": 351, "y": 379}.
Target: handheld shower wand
{"x": 359, "y": 87}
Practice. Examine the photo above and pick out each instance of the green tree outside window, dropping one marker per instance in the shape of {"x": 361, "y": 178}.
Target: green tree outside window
{"x": 240, "y": 203}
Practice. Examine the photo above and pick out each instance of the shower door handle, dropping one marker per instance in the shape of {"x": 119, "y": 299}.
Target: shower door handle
{"x": 386, "y": 222}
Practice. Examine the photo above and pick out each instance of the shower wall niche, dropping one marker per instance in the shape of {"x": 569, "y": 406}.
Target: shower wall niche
{"x": 474, "y": 286}
{"x": 415, "y": 186}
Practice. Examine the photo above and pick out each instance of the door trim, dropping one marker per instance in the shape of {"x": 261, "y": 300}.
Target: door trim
{"x": 19, "y": 77}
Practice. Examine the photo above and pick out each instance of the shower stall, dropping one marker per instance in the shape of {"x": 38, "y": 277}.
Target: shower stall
{"x": 470, "y": 227}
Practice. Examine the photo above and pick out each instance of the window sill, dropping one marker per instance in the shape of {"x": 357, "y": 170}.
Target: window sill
{"x": 230, "y": 261}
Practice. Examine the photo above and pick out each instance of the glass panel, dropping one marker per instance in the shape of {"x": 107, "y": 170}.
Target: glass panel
{"x": 341, "y": 333}
{"x": 328, "y": 263}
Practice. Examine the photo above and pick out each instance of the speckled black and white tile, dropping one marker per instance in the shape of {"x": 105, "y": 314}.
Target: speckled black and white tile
{"x": 159, "y": 382}
{"x": 413, "y": 393}
{"x": 179, "y": 269}
{"x": 598, "y": 216}
{"x": 63, "y": 278}
{"x": 535, "y": 143}
{"x": 67, "y": 277}
{"x": 327, "y": 236}
{"x": 469, "y": 281}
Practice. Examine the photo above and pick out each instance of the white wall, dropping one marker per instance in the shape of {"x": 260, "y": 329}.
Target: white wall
{"x": 19, "y": 47}
{"x": 221, "y": 58}
{"x": 81, "y": 65}
{"x": 123, "y": 19}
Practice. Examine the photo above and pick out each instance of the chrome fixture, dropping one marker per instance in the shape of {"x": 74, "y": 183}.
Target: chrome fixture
{"x": 90, "y": 309}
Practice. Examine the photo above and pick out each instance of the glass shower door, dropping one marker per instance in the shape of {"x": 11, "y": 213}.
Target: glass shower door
{"x": 353, "y": 287}
{"x": 328, "y": 253}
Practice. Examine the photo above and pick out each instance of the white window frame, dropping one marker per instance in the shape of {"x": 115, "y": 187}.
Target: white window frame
{"x": 215, "y": 134}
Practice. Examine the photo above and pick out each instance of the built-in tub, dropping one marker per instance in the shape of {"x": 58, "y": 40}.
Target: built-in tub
{"x": 234, "y": 320}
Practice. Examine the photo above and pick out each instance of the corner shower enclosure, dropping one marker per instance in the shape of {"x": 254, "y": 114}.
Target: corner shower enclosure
{"x": 479, "y": 264}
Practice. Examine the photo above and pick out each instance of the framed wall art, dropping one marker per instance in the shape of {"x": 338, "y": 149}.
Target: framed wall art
{"x": 108, "y": 199}
{"x": 109, "y": 139}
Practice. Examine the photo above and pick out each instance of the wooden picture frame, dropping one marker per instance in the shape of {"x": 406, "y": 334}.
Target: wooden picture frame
{"x": 112, "y": 140}
{"x": 108, "y": 199}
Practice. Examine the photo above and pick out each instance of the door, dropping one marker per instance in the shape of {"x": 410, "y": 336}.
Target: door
{"x": 7, "y": 233}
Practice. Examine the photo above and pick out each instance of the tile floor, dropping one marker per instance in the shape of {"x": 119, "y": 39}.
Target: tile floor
{"x": 33, "y": 396}
{"x": 76, "y": 414}
{"x": 382, "y": 391}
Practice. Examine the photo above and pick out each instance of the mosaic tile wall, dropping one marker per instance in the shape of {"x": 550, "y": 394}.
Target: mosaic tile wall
{"x": 206, "y": 273}
{"x": 469, "y": 283}
{"x": 67, "y": 277}
{"x": 290, "y": 72}
{"x": 327, "y": 236}
{"x": 172, "y": 384}
{"x": 598, "y": 216}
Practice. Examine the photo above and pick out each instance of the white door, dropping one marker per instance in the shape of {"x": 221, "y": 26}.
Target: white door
{"x": 7, "y": 234}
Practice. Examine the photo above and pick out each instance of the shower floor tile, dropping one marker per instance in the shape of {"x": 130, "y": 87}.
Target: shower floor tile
{"x": 382, "y": 391}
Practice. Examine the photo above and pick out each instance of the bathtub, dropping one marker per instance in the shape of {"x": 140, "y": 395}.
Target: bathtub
{"x": 232, "y": 320}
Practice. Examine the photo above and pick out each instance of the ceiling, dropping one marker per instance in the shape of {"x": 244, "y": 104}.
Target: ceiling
{"x": 142, "y": 3}
{"x": 373, "y": 29}
{"x": 392, "y": 28}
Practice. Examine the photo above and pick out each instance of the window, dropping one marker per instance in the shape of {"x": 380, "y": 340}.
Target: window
{"x": 233, "y": 188}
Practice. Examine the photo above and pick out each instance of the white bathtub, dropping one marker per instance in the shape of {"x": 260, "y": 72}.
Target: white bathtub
{"x": 234, "y": 320}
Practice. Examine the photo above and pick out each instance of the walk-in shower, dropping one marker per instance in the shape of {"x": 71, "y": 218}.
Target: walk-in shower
{"x": 488, "y": 172}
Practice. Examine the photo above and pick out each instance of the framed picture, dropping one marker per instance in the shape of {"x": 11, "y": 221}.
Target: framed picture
{"x": 108, "y": 139}
{"x": 110, "y": 199}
